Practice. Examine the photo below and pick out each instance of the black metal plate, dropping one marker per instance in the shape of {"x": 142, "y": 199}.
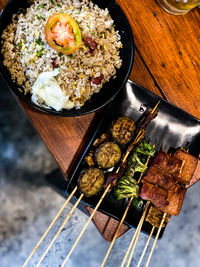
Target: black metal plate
{"x": 172, "y": 128}
{"x": 109, "y": 89}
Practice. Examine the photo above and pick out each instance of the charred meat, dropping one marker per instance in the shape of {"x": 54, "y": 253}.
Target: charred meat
{"x": 175, "y": 199}
{"x": 91, "y": 181}
{"x": 167, "y": 163}
{"x": 196, "y": 176}
{"x": 189, "y": 164}
{"x": 157, "y": 195}
{"x": 107, "y": 155}
{"x": 146, "y": 118}
{"x": 157, "y": 176}
{"x": 113, "y": 177}
{"x": 122, "y": 130}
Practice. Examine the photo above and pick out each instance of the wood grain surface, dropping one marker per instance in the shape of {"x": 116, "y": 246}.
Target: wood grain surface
{"x": 167, "y": 62}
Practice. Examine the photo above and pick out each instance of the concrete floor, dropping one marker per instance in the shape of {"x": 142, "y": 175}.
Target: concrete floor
{"x": 28, "y": 205}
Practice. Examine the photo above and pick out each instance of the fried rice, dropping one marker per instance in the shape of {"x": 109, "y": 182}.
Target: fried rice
{"x": 27, "y": 54}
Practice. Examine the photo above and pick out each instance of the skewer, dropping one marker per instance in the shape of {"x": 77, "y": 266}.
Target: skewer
{"x": 86, "y": 225}
{"x": 155, "y": 107}
{"x": 50, "y": 226}
{"x": 117, "y": 231}
{"x": 137, "y": 139}
{"x": 139, "y": 136}
{"x": 136, "y": 232}
{"x": 124, "y": 216}
{"x": 145, "y": 248}
{"x": 156, "y": 238}
{"x": 60, "y": 229}
{"x": 135, "y": 243}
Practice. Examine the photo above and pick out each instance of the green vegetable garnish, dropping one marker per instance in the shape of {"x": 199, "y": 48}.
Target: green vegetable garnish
{"x": 20, "y": 45}
{"x": 38, "y": 16}
{"x": 39, "y": 53}
{"x": 41, "y": 6}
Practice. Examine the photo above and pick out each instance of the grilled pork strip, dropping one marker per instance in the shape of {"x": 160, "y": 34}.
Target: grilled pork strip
{"x": 157, "y": 195}
{"x": 175, "y": 200}
{"x": 189, "y": 165}
{"x": 167, "y": 163}
{"x": 158, "y": 177}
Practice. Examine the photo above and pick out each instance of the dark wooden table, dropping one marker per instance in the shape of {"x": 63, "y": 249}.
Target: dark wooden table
{"x": 167, "y": 62}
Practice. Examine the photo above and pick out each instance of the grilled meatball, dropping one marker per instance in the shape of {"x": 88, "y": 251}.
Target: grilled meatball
{"x": 107, "y": 155}
{"x": 91, "y": 181}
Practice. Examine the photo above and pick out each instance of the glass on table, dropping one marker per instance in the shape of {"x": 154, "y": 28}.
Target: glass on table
{"x": 178, "y": 7}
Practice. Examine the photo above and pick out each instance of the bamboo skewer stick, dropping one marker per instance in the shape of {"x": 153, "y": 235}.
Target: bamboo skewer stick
{"x": 50, "y": 226}
{"x": 134, "y": 245}
{"x": 124, "y": 216}
{"x": 139, "y": 136}
{"x": 60, "y": 229}
{"x": 155, "y": 107}
{"x": 137, "y": 139}
{"x": 156, "y": 238}
{"x": 117, "y": 231}
{"x": 136, "y": 232}
{"x": 86, "y": 225}
{"x": 145, "y": 248}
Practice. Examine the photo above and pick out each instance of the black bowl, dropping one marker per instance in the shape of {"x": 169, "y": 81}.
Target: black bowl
{"x": 109, "y": 89}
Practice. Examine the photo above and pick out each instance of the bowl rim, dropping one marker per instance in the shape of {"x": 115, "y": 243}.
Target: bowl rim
{"x": 73, "y": 112}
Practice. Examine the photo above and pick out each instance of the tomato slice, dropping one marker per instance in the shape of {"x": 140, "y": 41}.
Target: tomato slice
{"x": 63, "y": 34}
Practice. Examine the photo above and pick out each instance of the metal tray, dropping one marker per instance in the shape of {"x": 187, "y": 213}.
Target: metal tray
{"x": 172, "y": 128}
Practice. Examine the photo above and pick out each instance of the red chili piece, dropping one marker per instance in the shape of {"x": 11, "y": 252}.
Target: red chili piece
{"x": 90, "y": 42}
{"x": 97, "y": 80}
{"x": 54, "y": 63}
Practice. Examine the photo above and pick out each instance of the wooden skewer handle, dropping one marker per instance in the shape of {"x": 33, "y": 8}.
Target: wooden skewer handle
{"x": 60, "y": 229}
{"x": 135, "y": 234}
{"x": 138, "y": 233}
{"x": 156, "y": 238}
{"x": 86, "y": 225}
{"x": 145, "y": 248}
{"x": 116, "y": 233}
{"x": 50, "y": 226}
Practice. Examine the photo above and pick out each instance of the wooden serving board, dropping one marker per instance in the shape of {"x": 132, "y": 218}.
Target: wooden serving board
{"x": 167, "y": 62}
